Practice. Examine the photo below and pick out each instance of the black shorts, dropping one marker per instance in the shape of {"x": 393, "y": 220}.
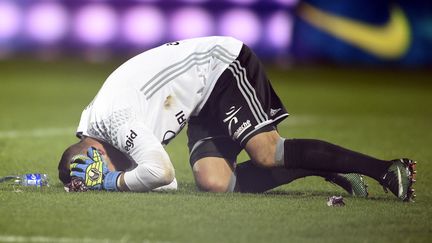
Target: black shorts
{"x": 241, "y": 105}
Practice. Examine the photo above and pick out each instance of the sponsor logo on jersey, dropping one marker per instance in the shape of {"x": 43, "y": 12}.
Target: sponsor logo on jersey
{"x": 273, "y": 112}
{"x": 168, "y": 136}
{"x": 130, "y": 140}
{"x": 231, "y": 118}
{"x": 181, "y": 119}
{"x": 242, "y": 128}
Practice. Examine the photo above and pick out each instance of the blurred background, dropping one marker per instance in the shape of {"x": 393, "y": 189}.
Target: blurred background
{"x": 377, "y": 32}
{"x": 352, "y": 72}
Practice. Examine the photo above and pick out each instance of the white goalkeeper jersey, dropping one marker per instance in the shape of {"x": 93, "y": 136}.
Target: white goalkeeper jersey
{"x": 145, "y": 102}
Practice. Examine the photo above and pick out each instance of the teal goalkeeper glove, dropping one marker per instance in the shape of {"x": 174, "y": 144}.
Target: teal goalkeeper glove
{"x": 92, "y": 170}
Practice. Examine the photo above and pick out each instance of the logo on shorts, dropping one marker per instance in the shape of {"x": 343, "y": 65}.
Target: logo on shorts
{"x": 242, "y": 128}
{"x": 273, "y": 112}
{"x": 231, "y": 118}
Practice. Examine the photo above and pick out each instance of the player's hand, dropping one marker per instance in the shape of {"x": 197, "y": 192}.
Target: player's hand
{"x": 92, "y": 170}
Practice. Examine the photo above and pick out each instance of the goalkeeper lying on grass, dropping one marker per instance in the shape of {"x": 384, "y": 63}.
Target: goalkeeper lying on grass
{"x": 218, "y": 86}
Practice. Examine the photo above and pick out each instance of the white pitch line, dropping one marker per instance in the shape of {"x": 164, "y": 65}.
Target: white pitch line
{"x": 61, "y": 131}
{"x": 38, "y": 132}
{"x": 46, "y": 239}
{"x": 16, "y": 238}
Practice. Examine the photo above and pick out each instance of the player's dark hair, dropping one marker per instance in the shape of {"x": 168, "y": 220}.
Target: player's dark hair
{"x": 63, "y": 167}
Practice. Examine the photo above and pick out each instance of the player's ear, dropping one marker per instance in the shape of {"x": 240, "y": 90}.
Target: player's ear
{"x": 63, "y": 168}
{"x": 64, "y": 163}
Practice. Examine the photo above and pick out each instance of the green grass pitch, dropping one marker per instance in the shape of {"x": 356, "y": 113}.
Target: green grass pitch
{"x": 384, "y": 113}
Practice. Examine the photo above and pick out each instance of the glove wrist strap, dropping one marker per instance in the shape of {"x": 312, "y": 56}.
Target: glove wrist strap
{"x": 110, "y": 181}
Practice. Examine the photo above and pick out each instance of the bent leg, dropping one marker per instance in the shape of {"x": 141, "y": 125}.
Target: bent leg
{"x": 267, "y": 149}
{"x": 261, "y": 148}
{"x": 213, "y": 174}
{"x": 320, "y": 155}
{"x": 254, "y": 179}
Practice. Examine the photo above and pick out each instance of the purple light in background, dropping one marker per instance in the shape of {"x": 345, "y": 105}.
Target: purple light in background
{"x": 143, "y": 25}
{"x": 279, "y": 29}
{"x": 242, "y": 24}
{"x": 96, "y": 24}
{"x": 287, "y": 2}
{"x": 47, "y": 22}
{"x": 191, "y": 22}
{"x": 10, "y": 20}
{"x": 243, "y": 1}
{"x": 195, "y": 1}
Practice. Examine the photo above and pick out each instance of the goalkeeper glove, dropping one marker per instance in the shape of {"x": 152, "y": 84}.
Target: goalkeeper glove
{"x": 93, "y": 171}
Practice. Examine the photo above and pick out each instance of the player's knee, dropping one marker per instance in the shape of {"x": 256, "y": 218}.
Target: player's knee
{"x": 213, "y": 174}
{"x": 210, "y": 181}
{"x": 211, "y": 184}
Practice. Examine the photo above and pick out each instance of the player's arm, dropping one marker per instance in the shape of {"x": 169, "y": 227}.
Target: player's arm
{"x": 92, "y": 173}
{"x": 121, "y": 185}
{"x": 154, "y": 168}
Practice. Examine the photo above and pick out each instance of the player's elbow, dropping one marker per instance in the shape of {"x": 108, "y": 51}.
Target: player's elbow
{"x": 146, "y": 177}
{"x": 158, "y": 175}
{"x": 163, "y": 170}
{"x": 167, "y": 175}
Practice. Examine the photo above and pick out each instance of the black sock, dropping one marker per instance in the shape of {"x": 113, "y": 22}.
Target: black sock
{"x": 311, "y": 154}
{"x": 254, "y": 179}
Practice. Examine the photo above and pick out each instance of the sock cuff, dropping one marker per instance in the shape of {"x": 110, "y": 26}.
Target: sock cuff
{"x": 232, "y": 183}
{"x": 280, "y": 152}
